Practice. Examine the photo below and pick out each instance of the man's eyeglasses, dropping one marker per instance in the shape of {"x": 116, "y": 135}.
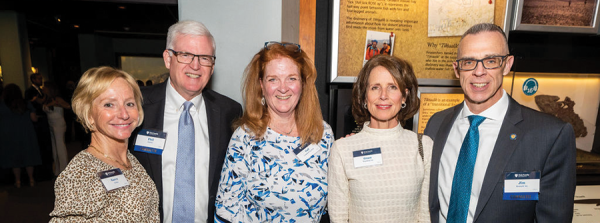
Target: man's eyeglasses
{"x": 289, "y": 46}
{"x": 488, "y": 63}
{"x": 186, "y": 58}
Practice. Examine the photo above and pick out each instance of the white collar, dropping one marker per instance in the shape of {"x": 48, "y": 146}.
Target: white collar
{"x": 495, "y": 112}
{"x": 176, "y": 100}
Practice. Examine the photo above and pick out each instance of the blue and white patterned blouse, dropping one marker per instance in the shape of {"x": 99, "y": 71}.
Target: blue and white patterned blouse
{"x": 264, "y": 180}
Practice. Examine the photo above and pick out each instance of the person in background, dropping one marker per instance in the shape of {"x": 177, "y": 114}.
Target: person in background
{"x": 275, "y": 169}
{"x": 18, "y": 145}
{"x": 372, "y": 50}
{"x": 385, "y": 49}
{"x": 186, "y": 173}
{"x": 36, "y": 96}
{"x": 149, "y": 82}
{"x": 381, "y": 174}
{"x": 489, "y": 141}
{"x": 105, "y": 182}
{"x": 70, "y": 117}
{"x": 54, "y": 106}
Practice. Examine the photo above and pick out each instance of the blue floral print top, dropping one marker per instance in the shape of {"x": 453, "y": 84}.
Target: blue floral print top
{"x": 263, "y": 180}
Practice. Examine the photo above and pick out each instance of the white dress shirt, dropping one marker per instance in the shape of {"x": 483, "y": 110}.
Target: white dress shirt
{"x": 173, "y": 108}
{"x": 488, "y": 133}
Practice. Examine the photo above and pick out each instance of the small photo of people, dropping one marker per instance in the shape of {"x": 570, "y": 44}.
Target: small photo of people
{"x": 378, "y": 43}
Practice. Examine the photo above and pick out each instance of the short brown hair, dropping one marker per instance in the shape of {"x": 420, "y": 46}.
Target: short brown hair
{"x": 92, "y": 84}
{"x": 403, "y": 75}
{"x": 309, "y": 119}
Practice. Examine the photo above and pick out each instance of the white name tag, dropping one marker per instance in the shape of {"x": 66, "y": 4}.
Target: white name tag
{"x": 150, "y": 141}
{"x": 367, "y": 157}
{"x": 305, "y": 152}
{"x": 514, "y": 186}
{"x": 113, "y": 179}
{"x": 521, "y": 185}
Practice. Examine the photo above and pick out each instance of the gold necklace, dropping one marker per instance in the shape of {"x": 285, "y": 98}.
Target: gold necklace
{"x": 292, "y": 129}
{"x": 110, "y": 158}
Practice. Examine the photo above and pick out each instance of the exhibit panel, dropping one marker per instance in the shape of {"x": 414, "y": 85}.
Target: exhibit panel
{"x": 426, "y": 33}
{"x": 570, "y": 16}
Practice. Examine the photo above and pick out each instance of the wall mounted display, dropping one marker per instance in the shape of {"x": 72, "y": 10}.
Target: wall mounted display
{"x": 572, "y": 16}
{"x": 453, "y": 18}
{"x": 427, "y": 39}
{"x": 144, "y": 68}
{"x": 573, "y": 98}
{"x": 435, "y": 99}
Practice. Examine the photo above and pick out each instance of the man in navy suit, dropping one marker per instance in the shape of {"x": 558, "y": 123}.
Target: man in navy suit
{"x": 190, "y": 58}
{"x": 515, "y": 144}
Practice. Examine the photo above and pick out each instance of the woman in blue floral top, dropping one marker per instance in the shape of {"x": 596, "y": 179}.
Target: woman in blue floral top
{"x": 275, "y": 169}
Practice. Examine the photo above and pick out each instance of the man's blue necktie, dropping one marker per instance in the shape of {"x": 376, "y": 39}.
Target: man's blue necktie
{"x": 463, "y": 175}
{"x": 184, "y": 191}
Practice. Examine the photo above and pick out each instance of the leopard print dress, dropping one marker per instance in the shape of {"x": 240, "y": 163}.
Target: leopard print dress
{"x": 81, "y": 197}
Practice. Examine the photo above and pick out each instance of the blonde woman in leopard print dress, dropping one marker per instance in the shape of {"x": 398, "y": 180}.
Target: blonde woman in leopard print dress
{"x": 107, "y": 102}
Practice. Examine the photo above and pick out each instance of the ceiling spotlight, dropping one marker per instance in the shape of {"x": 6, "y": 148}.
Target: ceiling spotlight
{"x": 76, "y": 26}
{"x": 126, "y": 28}
{"x": 122, "y": 7}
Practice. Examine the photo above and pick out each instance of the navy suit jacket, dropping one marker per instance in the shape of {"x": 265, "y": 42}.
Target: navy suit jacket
{"x": 543, "y": 143}
{"x": 221, "y": 111}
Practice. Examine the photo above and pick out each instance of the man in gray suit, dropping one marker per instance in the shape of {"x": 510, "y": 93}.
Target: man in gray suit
{"x": 517, "y": 147}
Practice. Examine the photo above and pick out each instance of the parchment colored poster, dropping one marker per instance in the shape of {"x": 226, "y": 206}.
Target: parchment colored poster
{"x": 435, "y": 102}
{"x": 454, "y": 17}
{"x": 431, "y": 57}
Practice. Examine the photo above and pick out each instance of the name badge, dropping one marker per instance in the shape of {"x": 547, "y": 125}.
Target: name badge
{"x": 367, "y": 157}
{"x": 306, "y": 151}
{"x": 150, "y": 141}
{"x": 113, "y": 179}
{"x": 522, "y": 186}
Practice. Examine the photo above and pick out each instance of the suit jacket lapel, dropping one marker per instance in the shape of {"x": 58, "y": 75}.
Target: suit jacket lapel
{"x": 438, "y": 147}
{"x": 213, "y": 116}
{"x": 154, "y": 109}
{"x": 504, "y": 148}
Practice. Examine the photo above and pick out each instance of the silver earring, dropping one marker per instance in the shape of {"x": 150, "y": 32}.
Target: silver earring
{"x": 403, "y": 104}
{"x": 365, "y": 105}
{"x": 262, "y": 100}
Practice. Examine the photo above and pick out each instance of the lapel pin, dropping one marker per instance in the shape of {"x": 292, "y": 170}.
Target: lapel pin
{"x": 513, "y": 136}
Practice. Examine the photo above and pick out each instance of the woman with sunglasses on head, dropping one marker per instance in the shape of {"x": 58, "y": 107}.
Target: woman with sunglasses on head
{"x": 275, "y": 169}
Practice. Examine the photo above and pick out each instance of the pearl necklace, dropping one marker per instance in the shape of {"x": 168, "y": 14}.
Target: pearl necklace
{"x": 110, "y": 158}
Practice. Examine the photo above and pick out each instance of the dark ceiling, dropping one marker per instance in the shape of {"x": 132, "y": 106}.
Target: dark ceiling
{"x": 52, "y": 21}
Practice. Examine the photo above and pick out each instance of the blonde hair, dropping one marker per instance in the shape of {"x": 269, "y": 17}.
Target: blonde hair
{"x": 309, "y": 120}
{"x": 92, "y": 84}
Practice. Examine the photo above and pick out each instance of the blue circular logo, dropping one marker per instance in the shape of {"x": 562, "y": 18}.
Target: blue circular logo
{"x": 530, "y": 86}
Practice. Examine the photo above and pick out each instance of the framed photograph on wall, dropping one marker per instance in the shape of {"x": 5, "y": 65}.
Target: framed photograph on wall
{"x": 569, "y": 16}
{"x": 147, "y": 69}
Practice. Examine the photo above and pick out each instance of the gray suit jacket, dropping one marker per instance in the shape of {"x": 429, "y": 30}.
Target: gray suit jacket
{"x": 543, "y": 143}
{"x": 221, "y": 111}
